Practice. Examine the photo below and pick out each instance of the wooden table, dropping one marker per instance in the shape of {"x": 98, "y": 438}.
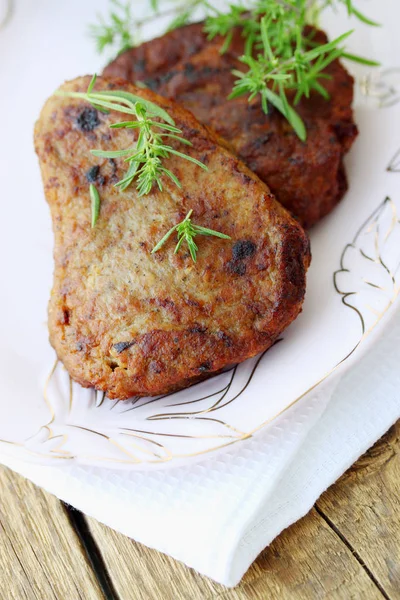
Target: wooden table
{"x": 348, "y": 546}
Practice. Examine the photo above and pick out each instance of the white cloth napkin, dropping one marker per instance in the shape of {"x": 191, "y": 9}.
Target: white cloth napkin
{"x": 218, "y": 515}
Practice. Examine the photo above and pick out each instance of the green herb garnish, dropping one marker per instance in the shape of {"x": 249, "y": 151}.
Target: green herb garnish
{"x": 272, "y": 78}
{"x": 122, "y": 30}
{"x": 282, "y": 61}
{"x": 95, "y": 201}
{"x": 281, "y": 57}
{"x": 187, "y": 231}
{"x": 119, "y": 29}
{"x": 146, "y": 157}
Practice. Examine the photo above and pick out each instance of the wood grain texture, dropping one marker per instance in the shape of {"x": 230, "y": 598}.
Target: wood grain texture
{"x": 40, "y": 555}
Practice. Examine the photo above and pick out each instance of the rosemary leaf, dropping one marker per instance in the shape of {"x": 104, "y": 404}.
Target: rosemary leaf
{"x": 95, "y": 203}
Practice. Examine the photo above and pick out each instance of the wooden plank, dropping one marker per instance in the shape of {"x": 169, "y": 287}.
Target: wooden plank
{"x": 308, "y": 561}
{"x": 40, "y": 555}
{"x": 364, "y": 506}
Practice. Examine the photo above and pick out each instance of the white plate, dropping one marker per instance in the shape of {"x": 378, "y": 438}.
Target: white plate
{"x": 353, "y": 282}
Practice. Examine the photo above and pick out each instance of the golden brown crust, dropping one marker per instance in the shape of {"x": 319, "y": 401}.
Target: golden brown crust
{"x": 132, "y": 323}
{"x": 307, "y": 178}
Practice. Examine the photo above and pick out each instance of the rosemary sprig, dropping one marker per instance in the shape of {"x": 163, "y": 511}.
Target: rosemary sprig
{"x": 119, "y": 30}
{"x": 282, "y": 62}
{"x": 282, "y": 59}
{"x": 273, "y": 78}
{"x": 146, "y": 157}
{"x": 187, "y": 231}
{"x": 122, "y": 30}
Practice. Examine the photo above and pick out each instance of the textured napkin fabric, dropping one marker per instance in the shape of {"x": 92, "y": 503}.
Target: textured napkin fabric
{"x": 218, "y": 515}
